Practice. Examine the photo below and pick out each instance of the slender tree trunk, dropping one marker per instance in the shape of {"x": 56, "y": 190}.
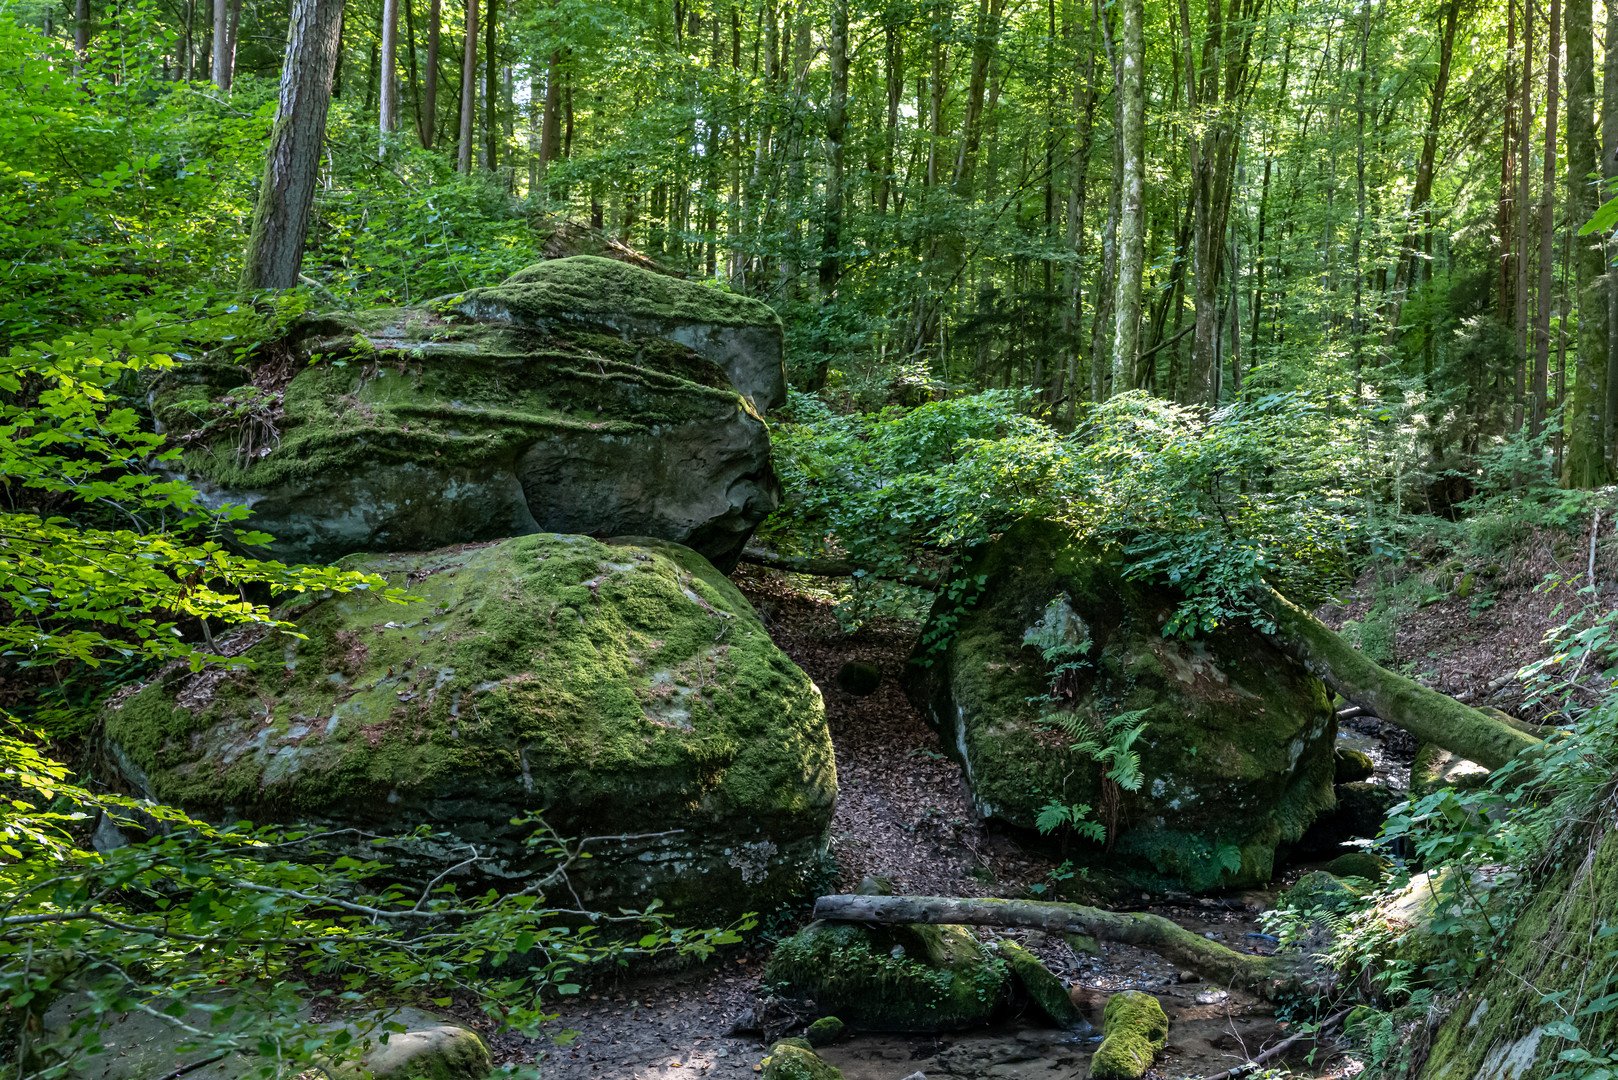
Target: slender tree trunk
{"x": 415, "y": 69}
{"x": 1547, "y": 228}
{"x": 221, "y": 45}
{"x": 81, "y": 35}
{"x": 429, "y": 93}
{"x": 1084, "y": 109}
{"x": 232, "y": 32}
{"x": 292, "y": 166}
{"x": 836, "y": 123}
{"x": 1131, "y": 211}
{"x": 469, "y": 88}
{"x": 1358, "y": 329}
{"x": 983, "y": 47}
{"x": 1506, "y": 214}
{"x": 893, "y": 62}
{"x": 1584, "y": 465}
{"x": 491, "y": 90}
{"x": 388, "y": 107}
{"x": 1609, "y": 176}
{"x": 1524, "y": 128}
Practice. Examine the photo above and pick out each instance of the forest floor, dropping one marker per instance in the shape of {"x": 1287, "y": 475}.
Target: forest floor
{"x": 904, "y": 813}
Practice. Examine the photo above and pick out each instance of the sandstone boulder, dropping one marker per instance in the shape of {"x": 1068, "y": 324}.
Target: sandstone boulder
{"x": 613, "y": 689}
{"x": 1236, "y": 753}
{"x": 585, "y": 396}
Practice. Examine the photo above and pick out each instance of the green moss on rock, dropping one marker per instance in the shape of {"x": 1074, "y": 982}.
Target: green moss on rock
{"x": 1043, "y": 989}
{"x": 608, "y": 687}
{"x": 1134, "y": 1030}
{"x": 892, "y": 978}
{"x": 1237, "y": 750}
{"x": 1360, "y": 864}
{"x": 1319, "y": 889}
{"x": 1353, "y": 765}
{"x": 788, "y": 1060}
{"x": 825, "y": 1031}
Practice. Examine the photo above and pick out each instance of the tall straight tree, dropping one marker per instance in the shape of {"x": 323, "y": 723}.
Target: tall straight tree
{"x": 1131, "y": 212}
{"x": 429, "y": 90}
{"x": 491, "y": 89}
{"x": 292, "y": 165}
{"x": 469, "y": 88}
{"x": 1547, "y": 229}
{"x": 1585, "y": 465}
{"x": 1609, "y": 177}
{"x": 388, "y": 107}
{"x": 221, "y": 45}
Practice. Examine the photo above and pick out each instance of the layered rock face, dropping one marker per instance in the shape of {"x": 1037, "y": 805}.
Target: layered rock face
{"x": 615, "y": 689}
{"x": 582, "y": 396}
{"x": 1237, "y": 748}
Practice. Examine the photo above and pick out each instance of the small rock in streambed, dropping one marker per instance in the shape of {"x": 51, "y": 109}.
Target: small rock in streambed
{"x": 1352, "y": 765}
{"x": 1212, "y": 997}
{"x": 859, "y": 678}
{"x": 1188, "y": 977}
{"x": 825, "y": 1031}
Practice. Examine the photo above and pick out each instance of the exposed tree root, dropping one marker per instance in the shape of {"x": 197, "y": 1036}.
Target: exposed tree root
{"x": 1426, "y": 714}
{"x": 1266, "y": 976}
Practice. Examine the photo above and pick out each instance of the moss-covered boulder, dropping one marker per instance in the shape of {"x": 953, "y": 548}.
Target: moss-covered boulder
{"x": 1320, "y": 890}
{"x": 1134, "y": 1030}
{"x": 621, "y": 688}
{"x": 892, "y": 978}
{"x": 532, "y": 406}
{"x": 1237, "y": 749}
{"x": 741, "y": 335}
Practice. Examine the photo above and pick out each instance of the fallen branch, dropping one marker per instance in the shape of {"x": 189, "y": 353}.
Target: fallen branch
{"x": 1426, "y": 714}
{"x": 803, "y": 564}
{"x": 1266, "y": 976}
{"x": 1280, "y": 1048}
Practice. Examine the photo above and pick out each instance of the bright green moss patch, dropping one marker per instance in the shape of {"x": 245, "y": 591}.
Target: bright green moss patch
{"x": 587, "y": 285}
{"x": 1134, "y": 1031}
{"x": 614, "y": 689}
{"x": 1043, "y": 989}
{"x": 892, "y": 978}
{"x": 789, "y": 1060}
{"x": 1237, "y": 749}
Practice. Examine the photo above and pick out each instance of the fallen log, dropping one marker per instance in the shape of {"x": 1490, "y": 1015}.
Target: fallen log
{"x": 1266, "y": 976}
{"x": 1425, "y": 713}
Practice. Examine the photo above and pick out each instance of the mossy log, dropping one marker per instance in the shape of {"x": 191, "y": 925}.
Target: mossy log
{"x": 1266, "y": 976}
{"x": 1427, "y": 714}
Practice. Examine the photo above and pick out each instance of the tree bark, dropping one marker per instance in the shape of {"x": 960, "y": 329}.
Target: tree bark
{"x": 1131, "y": 208}
{"x": 469, "y": 89}
{"x": 1585, "y": 463}
{"x": 1427, "y": 714}
{"x": 836, "y": 125}
{"x": 1525, "y": 124}
{"x": 1609, "y": 174}
{"x": 388, "y": 107}
{"x": 491, "y": 90}
{"x": 549, "y": 118}
{"x": 221, "y": 45}
{"x": 1084, "y": 109}
{"x": 429, "y": 92}
{"x": 893, "y": 63}
{"x": 292, "y": 166}
{"x": 81, "y": 33}
{"x": 1547, "y": 230}
{"x": 1269, "y": 977}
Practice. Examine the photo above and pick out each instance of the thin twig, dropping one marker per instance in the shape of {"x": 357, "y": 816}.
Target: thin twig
{"x": 1280, "y": 1048}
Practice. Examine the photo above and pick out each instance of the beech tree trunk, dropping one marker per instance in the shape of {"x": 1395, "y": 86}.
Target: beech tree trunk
{"x": 1585, "y": 463}
{"x": 491, "y": 90}
{"x": 1547, "y": 232}
{"x": 429, "y": 91}
{"x": 81, "y": 33}
{"x": 1269, "y": 977}
{"x": 1131, "y": 208}
{"x": 1609, "y": 173}
{"x": 292, "y": 166}
{"x": 388, "y": 107}
{"x": 469, "y": 88}
{"x": 221, "y": 45}
{"x": 1426, "y": 714}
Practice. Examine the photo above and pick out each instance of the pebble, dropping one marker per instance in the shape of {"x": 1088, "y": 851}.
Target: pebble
{"x": 1188, "y": 977}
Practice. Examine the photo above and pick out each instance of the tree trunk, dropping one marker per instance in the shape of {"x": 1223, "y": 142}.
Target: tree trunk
{"x": 388, "y": 109}
{"x": 81, "y": 33}
{"x": 1084, "y": 109}
{"x": 1547, "y": 230}
{"x": 491, "y": 92}
{"x": 1269, "y": 977}
{"x": 415, "y": 69}
{"x": 549, "y": 118}
{"x": 1609, "y": 174}
{"x": 1585, "y": 463}
{"x": 292, "y": 166}
{"x": 1426, "y": 714}
{"x": 1525, "y": 124}
{"x": 429, "y": 93}
{"x": 232, "y": 32}
{"x": 469, "y": 88}
{"x": 893, "y": 62}
{"x": 836, "y": 124}
{"x": 221, "y": 45}
{"x": 983, "y": 46}
{"x": 1131, "y": 209}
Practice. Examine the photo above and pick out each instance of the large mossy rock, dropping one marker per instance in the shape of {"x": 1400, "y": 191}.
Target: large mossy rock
{"x": 583, "y": 396}
{"x": 892, "y": 978}
{"x": 621, "y": 688}
{"x": 1237, "y": 749}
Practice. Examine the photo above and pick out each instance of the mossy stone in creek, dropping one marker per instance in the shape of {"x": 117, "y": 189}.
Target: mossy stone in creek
{"x": 1237, "y": 749}
{"x": 793, "y": 1059}
{"x": 892, "y": 978}
{"x": 407, "y": 429}
{"x": 1319, "y": 889}
{"x": 1352, "y": 765}
{"x": 1045, "y": 990}
{"x": 825, "y": 1031}
{"x": 1134, "y": 1030}
{"x": 612, "y": 688}
{"x": 1360, "y": 864}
